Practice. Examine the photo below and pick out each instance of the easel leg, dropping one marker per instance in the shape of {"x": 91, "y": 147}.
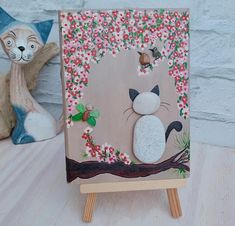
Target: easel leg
{"x": 174, "y": 202}
{"x": 89, "y": 207}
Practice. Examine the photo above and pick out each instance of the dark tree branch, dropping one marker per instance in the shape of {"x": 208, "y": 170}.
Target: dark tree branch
{"x": 90, "y": 169}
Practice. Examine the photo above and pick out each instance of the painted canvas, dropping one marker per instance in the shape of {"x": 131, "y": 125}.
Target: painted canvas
{"x": 126, "y": 94}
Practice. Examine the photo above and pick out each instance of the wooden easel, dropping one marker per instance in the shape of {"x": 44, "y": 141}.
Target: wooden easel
{"x": 171, "y": 187}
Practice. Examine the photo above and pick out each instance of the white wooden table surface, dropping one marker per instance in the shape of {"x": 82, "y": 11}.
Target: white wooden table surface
{"x": 34, "y": 192}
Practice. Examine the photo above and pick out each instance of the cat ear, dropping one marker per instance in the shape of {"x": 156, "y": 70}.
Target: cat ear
{"x": 5, "y": 19}
{"x": 156, "y": 90}
{"x": 133, "y": 93}
{"x": 44, "y": 29}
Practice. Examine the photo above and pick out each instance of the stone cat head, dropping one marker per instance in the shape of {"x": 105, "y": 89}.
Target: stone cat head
{"x": 145, "y": 103}
{"x": 22, "y": 41}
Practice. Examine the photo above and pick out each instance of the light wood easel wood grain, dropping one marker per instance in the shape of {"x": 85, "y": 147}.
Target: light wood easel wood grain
{"x": 174, "y": 202}
{"x": 132, "y": 186}
{"x": 89, "y": 207}
{"x": 170, "y": 186}
{"x": 33, "y": 191}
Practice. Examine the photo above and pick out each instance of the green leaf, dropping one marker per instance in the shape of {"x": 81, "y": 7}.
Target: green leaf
{"x": 91, "y": 121}
{"x": 81, "y": 108}
{"x": 182, "y": 170}
{"x": 85, "y": 26}
{"x": 181, "y": 112}
{"x": 77, "y": 117}
{"x": 117, "y": 152}
{"x": 85, "y": 155}
{"x": 95, "y": 114}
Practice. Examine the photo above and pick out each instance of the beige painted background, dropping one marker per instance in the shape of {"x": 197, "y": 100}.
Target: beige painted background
{"x": 108, "y": 91}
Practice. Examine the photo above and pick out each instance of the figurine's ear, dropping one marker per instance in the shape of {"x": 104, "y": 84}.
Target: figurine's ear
{"x": 5, "y": 19}
{"x": 44, "y": 29}
{"x": 156, "y": 90}
{"x": 133, "y": 93}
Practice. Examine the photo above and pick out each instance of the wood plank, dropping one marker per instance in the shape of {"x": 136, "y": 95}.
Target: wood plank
{"x": 132, "y": 186}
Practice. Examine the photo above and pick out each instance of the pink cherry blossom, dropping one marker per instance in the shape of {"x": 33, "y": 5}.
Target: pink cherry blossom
{"x": 104, "y": 152}
{"x": 89, "y": 35}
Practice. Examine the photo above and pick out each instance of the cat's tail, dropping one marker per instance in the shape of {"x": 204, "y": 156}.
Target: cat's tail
{"x": 174, "y": 125}
{"x": 60, "y": 124}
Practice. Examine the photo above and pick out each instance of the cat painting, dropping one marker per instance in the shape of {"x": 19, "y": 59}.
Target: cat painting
{"x": 21, "y": 42}
{"x": 149, "y": 134}
{"x": 133, "y": 66}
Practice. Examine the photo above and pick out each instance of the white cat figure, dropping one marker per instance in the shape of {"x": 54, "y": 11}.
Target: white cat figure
{"x": 21, "y": 42}
{"x": 150, "y": 138}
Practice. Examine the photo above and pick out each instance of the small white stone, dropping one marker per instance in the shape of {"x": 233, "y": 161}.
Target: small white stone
{"x": 149, "y": 139}
{"x": 146, "y": 103}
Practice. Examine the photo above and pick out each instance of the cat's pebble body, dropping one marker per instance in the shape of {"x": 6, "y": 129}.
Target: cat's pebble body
{"x": 149, "y": 139}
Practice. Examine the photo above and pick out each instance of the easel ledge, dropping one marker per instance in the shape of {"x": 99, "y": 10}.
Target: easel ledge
{"x": 170, "y": 186}
{"x": 132, "y": 186}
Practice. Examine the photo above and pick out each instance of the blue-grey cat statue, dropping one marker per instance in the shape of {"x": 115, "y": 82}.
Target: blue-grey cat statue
{"x": 21, "y": 42}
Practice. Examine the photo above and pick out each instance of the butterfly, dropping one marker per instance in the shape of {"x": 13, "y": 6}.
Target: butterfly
{"x": 86, "y": 113}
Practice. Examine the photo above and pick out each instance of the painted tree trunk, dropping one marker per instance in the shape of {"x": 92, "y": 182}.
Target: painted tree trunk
{"x": 89, "y": 169}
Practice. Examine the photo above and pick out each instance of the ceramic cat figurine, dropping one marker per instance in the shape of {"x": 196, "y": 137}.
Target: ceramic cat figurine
{"x": 21, "y": 42}
{"x": 149, "y": 134}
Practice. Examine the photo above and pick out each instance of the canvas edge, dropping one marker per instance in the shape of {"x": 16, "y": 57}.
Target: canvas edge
{"x": 63, "y": 92}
